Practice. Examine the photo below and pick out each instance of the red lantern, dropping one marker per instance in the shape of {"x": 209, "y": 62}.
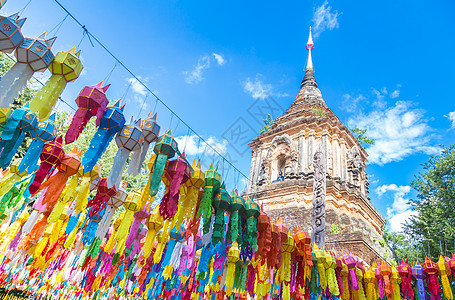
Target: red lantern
{"x": 51, "y": 155}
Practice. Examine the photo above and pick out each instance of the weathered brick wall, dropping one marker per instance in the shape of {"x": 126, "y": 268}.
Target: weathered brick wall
{"x": 343, "y": 232}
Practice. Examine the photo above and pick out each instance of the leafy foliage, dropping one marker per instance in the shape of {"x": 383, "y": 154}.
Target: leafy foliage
{"x": 434, "y": 224}
{"x": 268, "y": 121}
{"x": 360, "y": 135}
{"x": 319, "y": 112}
{"x": 335, "y": 229}
{"x": 401, "y": 245}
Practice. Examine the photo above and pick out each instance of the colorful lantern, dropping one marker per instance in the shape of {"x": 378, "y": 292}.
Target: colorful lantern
{"x": 132, "y": 206}
{"x": 154, "y": 224}
{"x": 221, "y": 203}
{"x": 370, "y": 280}
{"x": 128, "y": 139}
{"x": 9, "y": 179}
{"x": 405, "y": 272}
{"x": 419, "y": 275}
{"x": 33, "y": 55}
{"x": 265, "y": 235}
{"x": 236, "y": 207}
{"x": 192, "y": 186}
{"x": 66, "y": 67}
{"x": 83, "y": 190}
{"x": 91, "y": 101}
{"x": 431, "y": 268}
{"x": 444, "y": 271}
{"x": 52, "y": 154}
{"x": 177, "y": 173}
{"x": 111, "y": 123}
{"x": 150, "y": 132}
{"x": 233, "y": 257}
{"x": 41, "y": 133}
{"x": 104, "y": 193}
{"x": 10, "y": 33}
{"x": 165, "y": 148}
{"x": 68, "y": 166}
{"x": 13, "y": 134}
{"x": 113, "y": 203}
{"x": 251, "y": 214}
{"x": 212, "y": 184}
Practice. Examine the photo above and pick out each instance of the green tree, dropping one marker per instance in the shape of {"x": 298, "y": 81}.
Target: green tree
{"x": 433, "y": 227}
{"x": 268, "y": 121}
{"x": 402, "y": 246}
{"x": 360, "y": 135}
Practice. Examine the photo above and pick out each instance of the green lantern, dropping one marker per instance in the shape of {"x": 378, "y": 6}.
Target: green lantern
{"x": 236, "y": 207}
{"x": 212, "y": 184}
{"x": 251, "y": 214}
{"x": 221, "y": 203}
{"x": 165, "y": 148}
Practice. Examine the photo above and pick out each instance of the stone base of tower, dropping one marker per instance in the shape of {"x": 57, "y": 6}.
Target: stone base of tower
{"x": 343, "y": 232}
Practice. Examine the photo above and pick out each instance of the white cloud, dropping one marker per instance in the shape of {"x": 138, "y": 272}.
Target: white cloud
{"x": 400, "y": 211}
{"x": 260, "y": 90}
{"x": 350, "y": 103}
{"x": 219, "y": 58}
{"x": 196, "y": 75}
{"x": 324, "y": 18}
{"x": 137, "y": 87}
{"x": 398, "y": 131}
{"x": 192, "y": 145}
{"x": 395, "y": 94}
{"x": 451, "y": 117}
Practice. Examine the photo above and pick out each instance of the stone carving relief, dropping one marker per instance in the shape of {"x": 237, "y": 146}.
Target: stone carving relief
{"x": 319, "y": 191}
{"x": 281, "y": 157}
{"x": 356, "y": 167}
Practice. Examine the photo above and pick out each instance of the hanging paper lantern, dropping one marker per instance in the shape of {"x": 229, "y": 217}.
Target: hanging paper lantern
{"x": 154, "y": 224}
{"x": 251, "y": 214}
{"x": 9, "y": 179}
{"x": 386, "y": 272}
{"x": 236, "y": 207}
{"x": 177, "y": 173}
{"x": 41, "y": 133}
{"x": 132, "y": 206}
{"x": 351, "y": 262}
{"x": 128, "y": 139}
{"x": 212, "y": 184}
{"x": 51, "y": 155}
{"x": 139, "y": 216}
{"x": 111, "y": 123}
{"x": 192, "y": 186}
{"x": 33, "y": 55}
{"x": 265, "y": 235}
{"x": 444, "y": 271}
{"x": 150, "y": 132}
{"x": 370, "y": 281}
{"x": 431, "y": 269}
{"x": 91, "y": 101}
{"x": 221, "y": 203}
{"x": 104, "y": 193}
{"x": 405, "y": 272}
{"x": 396, "y": 281}
{"x": 10, "y": 32}
{"x": 66, "y": 67}
{"x": 2, "y": 3}
{"x": 89, "y": 182}
{"x": 13, "y": 134}
{"x": 419, "y": 275}
{"x": 288, "y": 248}
{"x": 113, "y": 203}
{"x": 165, "y": 148}
{"x": 68, "y": 166}
{"x": 233, "y": 257}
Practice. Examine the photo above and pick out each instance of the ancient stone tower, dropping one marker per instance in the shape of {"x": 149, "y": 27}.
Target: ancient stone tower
{"x": 281, "y": 175}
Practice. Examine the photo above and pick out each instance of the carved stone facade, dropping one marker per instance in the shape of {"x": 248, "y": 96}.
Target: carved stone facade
{"x": 352, "y": 222}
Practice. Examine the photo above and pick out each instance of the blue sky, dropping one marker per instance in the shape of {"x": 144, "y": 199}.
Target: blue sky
{"x": 385, "y": 65}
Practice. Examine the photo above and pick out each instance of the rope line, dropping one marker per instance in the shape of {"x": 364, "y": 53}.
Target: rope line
{"x": 90, "y": 35}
